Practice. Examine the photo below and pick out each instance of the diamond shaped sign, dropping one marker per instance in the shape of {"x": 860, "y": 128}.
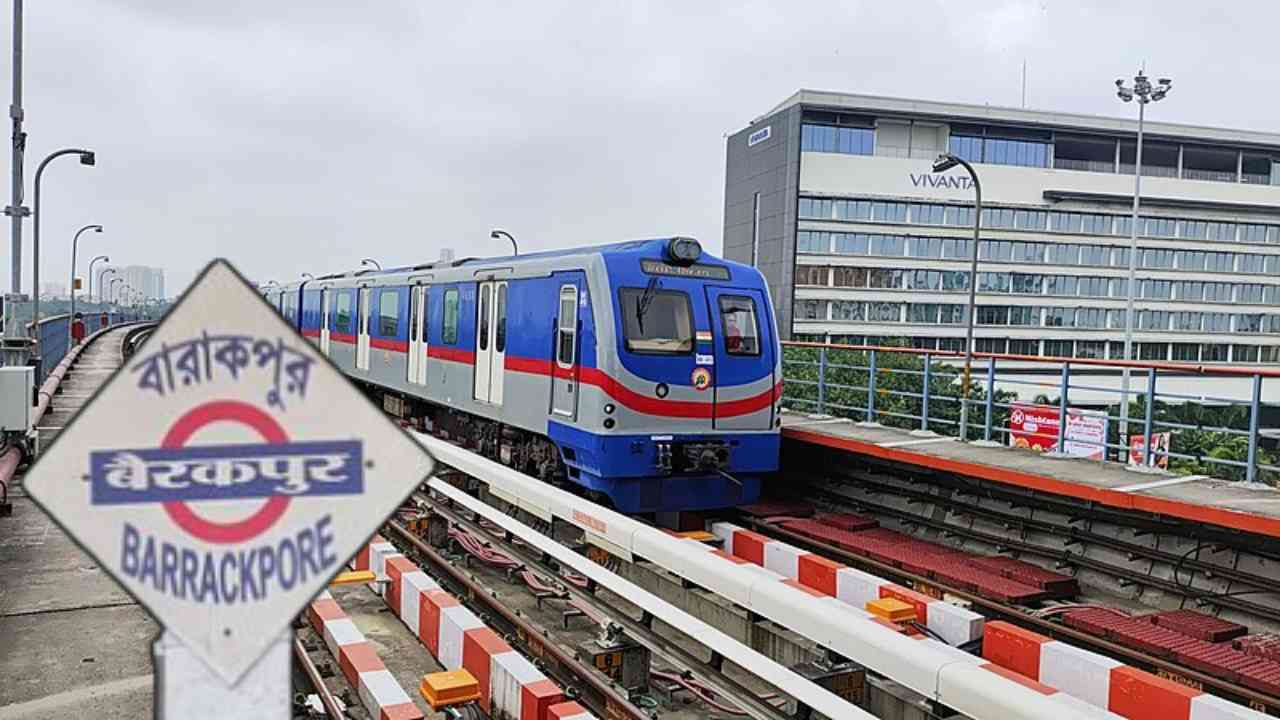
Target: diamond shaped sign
{"x": 225, "y": 474}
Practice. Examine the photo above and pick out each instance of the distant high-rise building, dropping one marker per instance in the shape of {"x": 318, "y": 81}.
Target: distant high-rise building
{"x": 147, "y": 280}
{"x": 53, "y": 289}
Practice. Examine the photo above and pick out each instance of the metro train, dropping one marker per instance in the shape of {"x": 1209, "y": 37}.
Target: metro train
{"x": 646, "y": 372}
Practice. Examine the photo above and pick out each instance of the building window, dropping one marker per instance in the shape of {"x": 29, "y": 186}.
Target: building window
{"x": 849, "y": 277}
{"x": 1249, "y": 263}
{"x": 847, "y": 311}
{"x": 1023, "y": 315}
{"x": 1024, "y": 347}
{"x": 1188, "y": 321}
{"x": 1214, "y": 353}
{"x": 811, "y": 275}
{"x": 844, "y": 140}
{"x": 927, "y": 214}
{"x": 1030, "y": 284}
{"x": 884, "y": 312}
{"x": 996, "y": 346}
{"x": 1094, "y": 318}
{"x": 811, "y": 309}
{"x": 808, "y": 241}
{"x": 1186, "y": 352}
{"x": 1244, "y": 353}
{"x": 1093, "y": 349}
{"x": 1153, "y": 351}
{"x": 851, "y": 243}
{"x": 1059, "y": 317}
{"x": 1058, "y": 348}
{"x": 992, "y": 315}
{"x": 1217, "y": 322}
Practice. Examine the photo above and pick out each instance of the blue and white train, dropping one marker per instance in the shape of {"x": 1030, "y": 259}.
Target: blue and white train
{"x": 646, "y": 372}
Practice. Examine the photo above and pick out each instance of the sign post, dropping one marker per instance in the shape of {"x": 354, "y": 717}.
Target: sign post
{"x": 222, "y": 478}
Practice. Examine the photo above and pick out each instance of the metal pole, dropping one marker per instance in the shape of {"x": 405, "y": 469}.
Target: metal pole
{"x": 871, "y": 387}
{"x": 1063, "y": 409}
{"x": 1133, "y": 271}
{"x": 101, "y": 284}
{"x": 93, "y": 262}
{"x": 991, "y": 398}
{"x": 822, "y": 378}
{"x": 75, "y": 241}
{"x": 1255, "y": 407}
{"x": 1149, "y": 421}
{"x": 973, "y": 294}
{"x": 924, "y": 395}
{"x": 35, "y": 240}
{"x": 16, "y": 211}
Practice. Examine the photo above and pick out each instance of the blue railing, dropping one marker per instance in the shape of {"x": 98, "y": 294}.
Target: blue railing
{"x": 54, "y": 333}
{"x": 1173, "y": 422}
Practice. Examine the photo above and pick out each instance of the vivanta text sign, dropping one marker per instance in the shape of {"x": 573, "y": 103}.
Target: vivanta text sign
{"x": 226, "y": 473}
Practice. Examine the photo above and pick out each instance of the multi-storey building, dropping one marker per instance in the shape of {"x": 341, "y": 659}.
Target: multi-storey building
{"x": 833, "y": 197}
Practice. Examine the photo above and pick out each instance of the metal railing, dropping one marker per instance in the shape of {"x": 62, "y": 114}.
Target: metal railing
{"x": 1167, "y": 426}
{"x": 54, "y": 334}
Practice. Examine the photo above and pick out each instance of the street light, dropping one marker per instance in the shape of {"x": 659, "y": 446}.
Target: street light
{"x": 86, "y": 158}
{"x": 1144, "y": 92}
{"x": 111, "y": 290}
{"x": 101, "y": 287}
{"x": 371, "y": 261}
{"x": 496, "y": 234}
{"x": 308, "y": 276}
{"x": 74, "y": 242}
{"x": 945, "y": 162}
{"x": 92, "y": 262}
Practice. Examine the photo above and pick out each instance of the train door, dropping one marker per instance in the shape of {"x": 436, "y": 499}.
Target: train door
{"x": 324, "y": 321}
{"x": 418, "y": 335}
{"x": 564, "y": 366}
{"x": 491, "y": 341}
{"x": 744, "y": 350}
{"x": 363, "y": 309}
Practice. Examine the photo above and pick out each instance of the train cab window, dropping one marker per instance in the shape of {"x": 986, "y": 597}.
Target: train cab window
{"x": 388, "y": 312}
{"x": 738, "y": 321}
{"x": 567, "y": 324}
{"x": 449, "y": 331}
{"x": 656, "y": 321}
{"x": 500, "y": 339}
{"x": 344, "y": 312}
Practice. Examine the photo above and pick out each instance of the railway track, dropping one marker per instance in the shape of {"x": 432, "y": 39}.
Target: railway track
{"x": 595, "y": 689}
{"x": 836, "y": 495}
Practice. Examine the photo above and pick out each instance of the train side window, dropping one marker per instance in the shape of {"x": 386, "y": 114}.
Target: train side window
{"x": 483, "y": 324}
{"x": 344, "y": 312}
{"x": 568, "y": 326}
{"x": 500, "y": 341}
{"x": 388, "y": 312}
{"x": 738, "y": 321}
{"x": 449, "y": 331}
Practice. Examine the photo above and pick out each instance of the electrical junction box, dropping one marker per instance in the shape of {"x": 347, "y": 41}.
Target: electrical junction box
{"x": 626, "y": 662}
{"x": 17, "y": 385}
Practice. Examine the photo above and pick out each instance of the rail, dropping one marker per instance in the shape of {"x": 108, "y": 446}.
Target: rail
{"x": 1074, "y": 411}
{"x": 53, "y": 336}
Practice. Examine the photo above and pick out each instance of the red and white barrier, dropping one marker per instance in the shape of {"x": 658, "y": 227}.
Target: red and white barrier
{"x": 510, "y": 686}
{"x": 854, "y": 587}
{"x": 378, "y": 689}
{"x": 568, "y": 711}
{"x": 1100, "y": 681}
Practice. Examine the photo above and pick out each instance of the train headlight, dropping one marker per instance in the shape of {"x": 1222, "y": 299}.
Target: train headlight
{"x": 683, "y": 251}
{"x": 608, "y": 409}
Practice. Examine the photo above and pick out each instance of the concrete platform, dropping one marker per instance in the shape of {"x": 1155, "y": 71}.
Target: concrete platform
{"x": 1236, "y": 506}
{"x": 71, "y": 638}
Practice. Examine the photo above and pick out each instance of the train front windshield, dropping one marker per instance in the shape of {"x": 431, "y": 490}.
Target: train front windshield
{"x": 657, "y": 321}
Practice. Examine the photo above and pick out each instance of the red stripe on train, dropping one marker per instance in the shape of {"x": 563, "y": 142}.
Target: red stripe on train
{"x": 692, "y": 409}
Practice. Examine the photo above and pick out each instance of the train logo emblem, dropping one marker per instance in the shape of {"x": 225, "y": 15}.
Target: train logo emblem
{"x": 700, "y": 379}
{"x": 226, "y": 473}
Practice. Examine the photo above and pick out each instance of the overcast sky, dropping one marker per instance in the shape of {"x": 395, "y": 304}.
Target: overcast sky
{"x": 302, "y": 136}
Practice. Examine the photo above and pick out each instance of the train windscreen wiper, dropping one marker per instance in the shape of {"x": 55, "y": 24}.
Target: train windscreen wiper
{"x": 642, "y": 306}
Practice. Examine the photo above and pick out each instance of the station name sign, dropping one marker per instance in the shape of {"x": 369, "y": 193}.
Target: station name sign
{"x": 703, "y": 272}
{"x": 946, "y": 182}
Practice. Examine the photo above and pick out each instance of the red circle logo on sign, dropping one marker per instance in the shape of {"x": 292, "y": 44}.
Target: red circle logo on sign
{"x": 199, "y": 417}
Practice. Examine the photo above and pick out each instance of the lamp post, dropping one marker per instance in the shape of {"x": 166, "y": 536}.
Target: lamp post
{"x": 111, "y": 290}
{"x": 1144, "y": 92}
{"x": 370, "y": 261}
{"x": 496, "y": 234}
{"x": 92, "y": 262}
{"x": 101, "y": 280}
{"x": 74, "y": 242}
{"x": 87, "y": 158}
{"x": 945, "y": 162}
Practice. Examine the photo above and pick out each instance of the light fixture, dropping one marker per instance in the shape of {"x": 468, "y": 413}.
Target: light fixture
{"x": 945, "y": 162}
